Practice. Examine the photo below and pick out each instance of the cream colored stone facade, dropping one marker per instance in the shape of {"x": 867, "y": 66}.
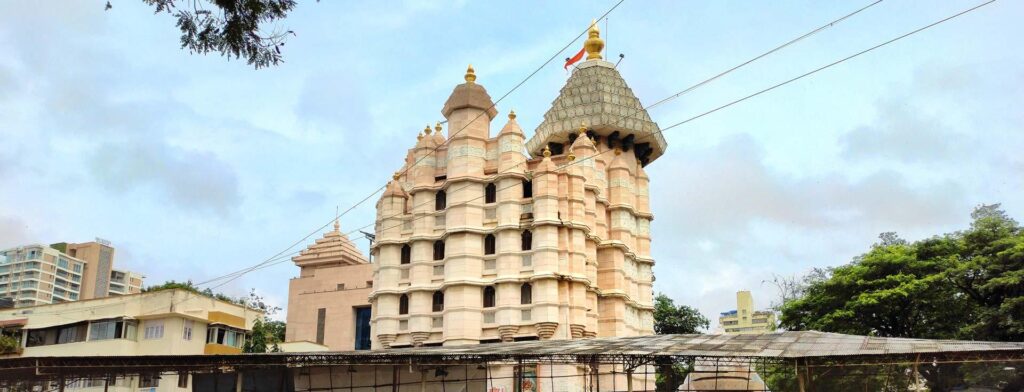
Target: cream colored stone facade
{"x": 166, "y": 322}
{"x": 333, "y": 286}
{"x": 478, "y": 242}
{"x": 745, "y": 319}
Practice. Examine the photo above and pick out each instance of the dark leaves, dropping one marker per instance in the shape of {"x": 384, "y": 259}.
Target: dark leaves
{"x": 233, "y": 28}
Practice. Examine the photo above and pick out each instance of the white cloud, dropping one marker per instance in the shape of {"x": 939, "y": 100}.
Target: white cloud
{"x": 190, "y": 179}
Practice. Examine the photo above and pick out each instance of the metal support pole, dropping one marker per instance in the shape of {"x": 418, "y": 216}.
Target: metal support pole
{"x": 330, "y": 377}
{"x": 799, "y": 376}
{"x": 394, "y": 378}
{"x": 238, "y": 381}
{"x": 917, "y": 376}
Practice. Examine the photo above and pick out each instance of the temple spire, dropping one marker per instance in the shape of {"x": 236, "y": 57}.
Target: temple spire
{"x": 470, "y": 74}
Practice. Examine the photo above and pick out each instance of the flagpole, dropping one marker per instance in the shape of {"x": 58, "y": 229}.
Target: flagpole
{"x": 606, "y": 35}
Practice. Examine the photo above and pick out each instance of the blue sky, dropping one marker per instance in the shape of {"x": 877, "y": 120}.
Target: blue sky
{"x": 195, "y": 166}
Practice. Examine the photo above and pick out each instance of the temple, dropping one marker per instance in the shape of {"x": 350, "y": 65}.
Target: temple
{"x": 484, "y": 237}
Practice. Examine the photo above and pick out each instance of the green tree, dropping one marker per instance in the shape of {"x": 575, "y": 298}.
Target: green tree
{"x": 266, "y": 334}
{"x": 233, "y": 28}
{"x": 964, "y": 285}
{"x": 672, "y": 319}
{"x": 885, "y": 292}
{"x": 989, "y": 268}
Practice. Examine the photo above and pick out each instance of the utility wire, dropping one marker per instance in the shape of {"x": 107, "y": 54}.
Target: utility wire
{"x": 670, "y": 97}
{"x": 450, "y": 137}
{"x": 780, "y": 84}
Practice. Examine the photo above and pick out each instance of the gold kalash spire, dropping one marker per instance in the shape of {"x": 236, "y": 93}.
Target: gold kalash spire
{"x": 594, "y": 44}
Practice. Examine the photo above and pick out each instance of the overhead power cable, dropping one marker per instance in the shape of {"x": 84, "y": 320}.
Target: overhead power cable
{"x": 682, "y": 92}
{"x": 450, "y": 137}
{"x": 775, "y": 86}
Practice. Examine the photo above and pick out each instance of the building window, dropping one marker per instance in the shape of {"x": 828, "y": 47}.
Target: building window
{"x": 526, "y": 294}
{"x": 71, "y": 333}
{"x": 527, "y": 240}
{"x": 438, "y": 303}
{"x": 321, "y": 323}
{"x": 440, "y": 200}
{"x": 403, "y": 304}
{"x": 406, "y": 254}
{"x": 489, "y": 297}
{"x": 438, "y": 250}
{"x": 154, "y": 330}
{"x": 225, "y": 336}
{"x": 186, "y": 332}
{"x": 490, "y": 193}
{"x": 112, "y": 329}
{"x": 527, "y": 189}
{"x": 489, "y": 244}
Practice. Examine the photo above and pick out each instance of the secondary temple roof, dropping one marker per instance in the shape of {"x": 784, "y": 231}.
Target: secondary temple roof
{"x": 334, "y": 248}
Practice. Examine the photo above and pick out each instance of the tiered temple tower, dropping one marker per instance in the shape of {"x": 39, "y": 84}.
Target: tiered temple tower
{"x": 478, "y": 242}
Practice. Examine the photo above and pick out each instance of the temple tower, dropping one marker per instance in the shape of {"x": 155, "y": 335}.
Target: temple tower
{"x": 485, "y": 238}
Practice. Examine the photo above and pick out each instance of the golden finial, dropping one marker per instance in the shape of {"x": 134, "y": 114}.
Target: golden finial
{"x": 470, "y": 74}
{"x": 618, "y": 151}
{"x": 547, "y": 152}
{"x": 419, "y": 136}
{"x": 512, "y": 115}
{"x": 396, "y": 176}
{"x": 583, "y": 128}
{"x": 426, "y": 130}
{"x": 571, "y": 157}
{"x": 594, "y": 43}
{"x": 437, "y": 127}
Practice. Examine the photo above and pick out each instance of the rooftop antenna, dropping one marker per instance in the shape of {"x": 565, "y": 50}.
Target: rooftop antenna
{"x": 371, "y": 237}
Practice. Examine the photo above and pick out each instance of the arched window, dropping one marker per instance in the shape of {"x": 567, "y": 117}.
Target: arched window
{"x": 527, "y": 240}
{"x": 438, "y": 301}
{"x": 527, "y": 188}
{"x": 438, "y": 250}
{"x": 403, "y": 304}
{"x": 526, "y": 294}
{"x": 406, "y": 254}
{"x": 440, "y": 200}
{"x": 490, "y": 193}
{"x": 489, "y": 244}
{"x": 489, "y": 297}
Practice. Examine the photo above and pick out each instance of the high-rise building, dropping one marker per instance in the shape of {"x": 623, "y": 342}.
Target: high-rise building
{"x": 745, "y": 319}
{"x": 39, "y": 274}
{"x": 485, "y": 237}
{"x": 328, "y": 303}
{"x": 125, "y": 282}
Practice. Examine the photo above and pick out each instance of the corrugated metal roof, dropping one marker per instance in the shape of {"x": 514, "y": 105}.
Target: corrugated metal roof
{"x": 791, "y": 344}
